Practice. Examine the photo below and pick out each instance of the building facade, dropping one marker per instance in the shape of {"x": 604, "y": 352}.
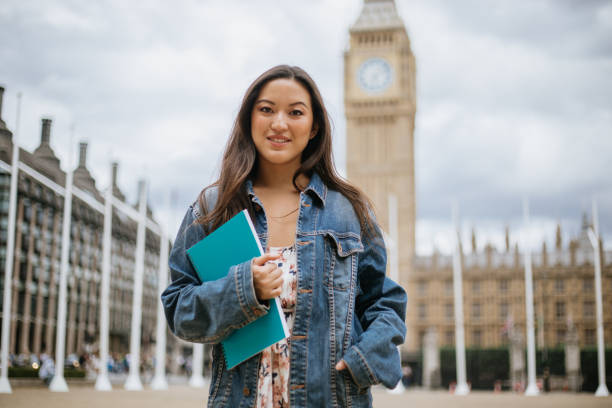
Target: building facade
{"x": 37, "y": 257}
{"x": 494, "y": 294}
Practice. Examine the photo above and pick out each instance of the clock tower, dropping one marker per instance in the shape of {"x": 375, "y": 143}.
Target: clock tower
{"x": 380, "y": 105}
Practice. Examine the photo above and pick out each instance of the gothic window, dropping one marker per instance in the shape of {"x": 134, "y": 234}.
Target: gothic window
{"x": 422, "y": 310}
{"x": 448, "y": 287}
{"x": 448, "y": 311}
{"x": 503, "y": 286}
{"x": 587, "y": 285}
{"x": 588, "y": 309}
{"x": 560, "y": 310}
{"x": 422, "y": 287}
{"x": 476, "y": 310}
{"x": 589, "y": 337}
{"x": 559, "y": 285}
{"x": 560, "y": 337}
{"x": 477, "y": 338}
{"x": 503, "y": 310}
{"x": 450, "y": 337}
{"x": 476, "y": 286}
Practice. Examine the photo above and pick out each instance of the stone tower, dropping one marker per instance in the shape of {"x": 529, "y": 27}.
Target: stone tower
{"x": 380, "y": 106}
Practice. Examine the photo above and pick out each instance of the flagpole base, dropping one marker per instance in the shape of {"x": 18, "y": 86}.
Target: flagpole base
{"x": 103, "y": 383}
{"x": 159, "y": 383}
{"x": 398, "y": 389}
{"x": 196, "y": 381}
{"x": 5, "y": 386}
{"x": 462, "y": 389}
{"x": 133, "y": 383}
{"x": 532, "y": 390}
{"x": 602, "y": 391}
{"x": 58, "y": 384}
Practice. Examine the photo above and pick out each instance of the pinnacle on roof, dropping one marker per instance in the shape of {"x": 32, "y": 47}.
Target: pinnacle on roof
{"x": 377, "y": 14}
{"x": 44, "y": 152}
{"x": 3, "y": 129}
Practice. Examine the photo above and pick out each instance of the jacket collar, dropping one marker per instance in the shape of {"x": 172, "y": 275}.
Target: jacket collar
{"x": 315, "y": 186}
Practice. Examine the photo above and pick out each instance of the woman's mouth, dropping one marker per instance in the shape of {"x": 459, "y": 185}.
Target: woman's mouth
{"x": 278, "y": 139}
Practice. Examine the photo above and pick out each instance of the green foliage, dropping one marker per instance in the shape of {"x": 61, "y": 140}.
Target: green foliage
{"x": 483, "y": 367}
{"x": 588, "y": 368}
{"x": 554, "y": 359}
{"x": 29, "y": 372}
{"x": 23, "y": 372}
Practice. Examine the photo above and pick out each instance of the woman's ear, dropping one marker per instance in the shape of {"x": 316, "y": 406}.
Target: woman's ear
{"x": 313, "y": 132}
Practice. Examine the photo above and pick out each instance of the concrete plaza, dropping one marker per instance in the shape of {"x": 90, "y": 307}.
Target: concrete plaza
{"x": 183, "y": 396}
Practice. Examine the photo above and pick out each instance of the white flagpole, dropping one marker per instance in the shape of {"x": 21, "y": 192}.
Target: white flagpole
{"x": 5, "y": 386}
{"x": 394, "y": 270}
{"x": 102, "y": 381}
{"x": 602, "y": 389}
{"x": 133, "y": 382}
{"x": 532, "y": 387}
{"x": 462, "y": 387}
{"x": 197, "y": 380}
{"x": 159, "y": 381}
{"x": 58, "y": 384}
{"x": 394, "y": 267}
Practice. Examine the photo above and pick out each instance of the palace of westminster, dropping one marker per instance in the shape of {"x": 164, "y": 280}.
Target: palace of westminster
{"x": 380, "y": 107}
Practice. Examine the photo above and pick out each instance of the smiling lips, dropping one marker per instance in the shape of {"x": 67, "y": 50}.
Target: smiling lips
{"x": 278, "y": 139}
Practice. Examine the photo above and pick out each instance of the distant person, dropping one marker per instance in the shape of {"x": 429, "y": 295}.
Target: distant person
{"x": 324, "y": 257}
{"x": 407, "y": 375}
{"x": 47, "y": 369}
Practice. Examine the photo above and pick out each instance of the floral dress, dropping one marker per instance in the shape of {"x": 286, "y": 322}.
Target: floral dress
{"x": 273, "y": 383}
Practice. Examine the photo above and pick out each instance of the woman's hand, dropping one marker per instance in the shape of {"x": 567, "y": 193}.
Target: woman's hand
{"x": 341, "y": 365}
{"x": 267, "y": 277}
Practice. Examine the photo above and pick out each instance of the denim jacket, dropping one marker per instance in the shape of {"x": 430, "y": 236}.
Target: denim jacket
{"x": 346, "y": 307}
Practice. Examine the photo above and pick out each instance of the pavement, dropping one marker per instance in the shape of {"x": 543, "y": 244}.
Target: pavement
{"x": 182, "y": 396}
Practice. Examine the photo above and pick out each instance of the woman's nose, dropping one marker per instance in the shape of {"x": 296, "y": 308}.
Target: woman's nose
{"x": 279, "y": 122}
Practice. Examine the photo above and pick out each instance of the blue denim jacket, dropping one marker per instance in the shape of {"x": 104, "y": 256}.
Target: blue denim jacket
{"x": 346, "y": 307}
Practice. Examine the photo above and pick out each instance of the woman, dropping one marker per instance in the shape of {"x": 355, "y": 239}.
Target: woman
{"x": 325, "y": 258}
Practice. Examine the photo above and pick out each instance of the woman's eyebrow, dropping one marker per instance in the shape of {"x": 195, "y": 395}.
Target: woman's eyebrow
{"x": 265, "y": 101}
{"x": 272, "y": 103}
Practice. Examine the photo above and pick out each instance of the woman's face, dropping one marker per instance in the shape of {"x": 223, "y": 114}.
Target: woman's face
{"x": 281, "y": 122}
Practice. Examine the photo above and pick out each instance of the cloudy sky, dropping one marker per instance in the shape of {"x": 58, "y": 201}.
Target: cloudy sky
{"x": 514, "y": 98}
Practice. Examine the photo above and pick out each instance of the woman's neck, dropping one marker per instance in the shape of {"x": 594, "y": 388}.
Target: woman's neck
{"x": 277, "y": 178}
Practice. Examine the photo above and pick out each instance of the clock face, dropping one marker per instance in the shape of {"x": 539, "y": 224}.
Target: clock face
{"x": 374, "y": 75}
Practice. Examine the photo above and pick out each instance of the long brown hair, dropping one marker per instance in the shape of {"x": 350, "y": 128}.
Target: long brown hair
{"x": 240, "y": 157}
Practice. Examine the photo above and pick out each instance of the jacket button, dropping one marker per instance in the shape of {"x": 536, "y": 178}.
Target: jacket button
{"x": 246, "y": 391}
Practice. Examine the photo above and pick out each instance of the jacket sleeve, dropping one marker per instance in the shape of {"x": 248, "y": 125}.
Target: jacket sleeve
{"x": 206, "y": 312}
{"x": 380, "y": 308}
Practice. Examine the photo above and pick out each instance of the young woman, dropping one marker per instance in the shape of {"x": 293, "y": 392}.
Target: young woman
{"x": 325, "y": 258}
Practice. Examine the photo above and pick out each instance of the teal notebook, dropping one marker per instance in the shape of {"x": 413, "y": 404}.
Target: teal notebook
{"x": 231, "y": 244}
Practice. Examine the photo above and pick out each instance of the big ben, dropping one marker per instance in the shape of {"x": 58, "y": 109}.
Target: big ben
{"x": 380, "y": 106}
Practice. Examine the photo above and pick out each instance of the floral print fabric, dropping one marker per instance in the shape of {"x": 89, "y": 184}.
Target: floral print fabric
{"x": 273, "y": 383}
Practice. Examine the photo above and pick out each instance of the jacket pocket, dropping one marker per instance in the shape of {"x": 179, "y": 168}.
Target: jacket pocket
{"x": 343, "y": 248}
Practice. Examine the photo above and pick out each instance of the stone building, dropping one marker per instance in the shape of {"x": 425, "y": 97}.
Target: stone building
{"x": 37, "y": 256}
{"x": 494, "y": 294}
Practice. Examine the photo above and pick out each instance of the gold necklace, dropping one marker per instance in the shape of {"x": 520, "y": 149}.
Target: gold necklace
{"x": 286, "y": 215}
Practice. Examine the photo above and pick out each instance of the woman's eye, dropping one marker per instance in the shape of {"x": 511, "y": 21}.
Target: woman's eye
{"x": 265, "y": 109}
{"x": 297, "y": 112}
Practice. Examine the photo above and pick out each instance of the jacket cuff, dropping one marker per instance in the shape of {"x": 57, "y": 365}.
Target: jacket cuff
{"x": 360, "y": 371}
{"x": 243, "y": 279}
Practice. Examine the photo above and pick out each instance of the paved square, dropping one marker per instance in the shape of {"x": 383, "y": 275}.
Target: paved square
{"x": 182, "y": 396}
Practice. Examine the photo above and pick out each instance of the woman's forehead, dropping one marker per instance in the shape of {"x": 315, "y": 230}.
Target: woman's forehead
{"x": 284, "y": 90}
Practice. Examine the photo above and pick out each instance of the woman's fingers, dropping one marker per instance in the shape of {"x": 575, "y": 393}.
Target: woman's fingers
{"x": 261, "y": 260}
{"x": 267, "y": 277}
